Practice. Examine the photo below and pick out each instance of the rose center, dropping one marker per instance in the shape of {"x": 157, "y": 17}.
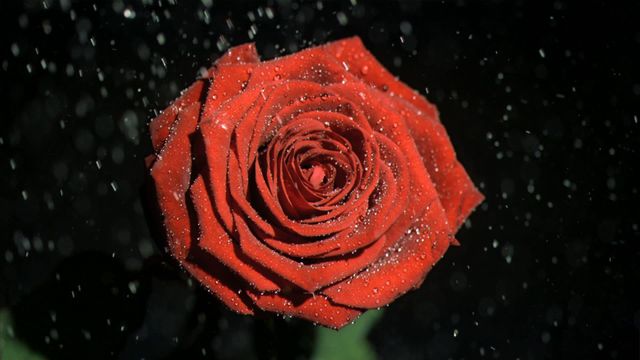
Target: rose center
{"x": 317, "y": 176}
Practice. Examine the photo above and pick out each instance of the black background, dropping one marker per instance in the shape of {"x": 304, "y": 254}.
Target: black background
{"x": 541, "y": 100}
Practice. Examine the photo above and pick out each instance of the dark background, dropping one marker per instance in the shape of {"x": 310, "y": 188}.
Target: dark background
{"x": 541, "y": 100}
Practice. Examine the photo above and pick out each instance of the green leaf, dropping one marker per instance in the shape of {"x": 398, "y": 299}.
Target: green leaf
{"x": 349, "y": 342}
{"x": 10, "y": 346}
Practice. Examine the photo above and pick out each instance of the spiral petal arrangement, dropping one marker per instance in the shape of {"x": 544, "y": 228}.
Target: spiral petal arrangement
{"x": 314, "y": 185}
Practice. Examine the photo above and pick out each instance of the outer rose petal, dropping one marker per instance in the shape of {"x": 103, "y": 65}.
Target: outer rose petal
{"x": 311, "y": 65}
{"x": 307, "y": 277}
{"x": 171, "y": 170}
{"x": 170, "y": 174}
{"x": 313, "y": 308}
{"x": 219, "y": 280}
{"x": 218, "y": 122}
{"x": 160, "y": 126}
{"x": 216, "y": 241}
{"x": 361, "y": 63}
{"x": 170, "y": 133}
{"x": 241, "y": 54}
{"x": 405, "y": 267}
{"x": 457, "y": 193}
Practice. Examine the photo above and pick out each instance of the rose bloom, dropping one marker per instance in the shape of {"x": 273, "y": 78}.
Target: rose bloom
{"x": 314, "y": 185}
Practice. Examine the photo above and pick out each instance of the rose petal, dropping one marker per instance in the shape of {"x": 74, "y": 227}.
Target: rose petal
{"x": 313, "y": 65}
{"x": 317, "y": 309}
{"x": 362, "y": 64}
{"x": 216, "y": 241}
{"x": 160, "y": 127}
{"x": 245, "y": 53}
{"x": 394, "y": 127}
{"x": 457, "y": 193}
{"x": 220, "y": 281}
{"x": 404, "y": 268}
{"x": 308, "y": 277}
{"x": 217, "y": 132}
{"x": 171, "y": 173}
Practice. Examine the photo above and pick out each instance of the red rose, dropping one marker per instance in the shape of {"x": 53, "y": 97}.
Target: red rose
{"x": 314, "y": 185}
